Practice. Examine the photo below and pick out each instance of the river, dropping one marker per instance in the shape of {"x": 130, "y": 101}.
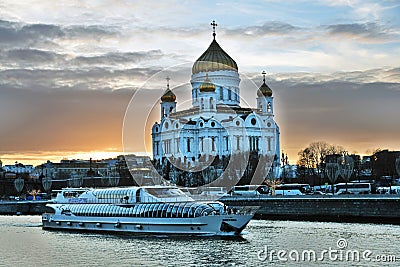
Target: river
{"x": 264, "y": 243}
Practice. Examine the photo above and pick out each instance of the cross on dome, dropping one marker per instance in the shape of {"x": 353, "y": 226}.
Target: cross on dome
{"x": 264, "y": 73}
{"x": 213, "y": 24}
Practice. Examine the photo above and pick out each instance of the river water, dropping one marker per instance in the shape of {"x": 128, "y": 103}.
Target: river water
{"x": 24, "y": 243}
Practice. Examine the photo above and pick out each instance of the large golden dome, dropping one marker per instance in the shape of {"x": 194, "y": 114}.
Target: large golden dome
{"x": 214, "y": 59}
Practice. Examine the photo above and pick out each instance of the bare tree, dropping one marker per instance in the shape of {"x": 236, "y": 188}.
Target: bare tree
{"x": 313, "y": 157}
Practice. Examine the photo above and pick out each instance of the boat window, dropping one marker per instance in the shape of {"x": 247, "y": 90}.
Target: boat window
{"x": 135, "y": 211}
{"x": 180, "y": 209}
{"x": 157, "y": 211}
{"x": 146, "y": 211}
{"x": 192, "y": 209}
{"x": 154, "y": 211}
{"x": 169, "y": 210}
{"x": 185, "y": 212}
{"x": 165, "y": 192}
{"x": 174, "y": 212}
{"x": 163, "y": 212}
{"x": 198, "y": 211}
{"x": 142, "y": 211}
{"x": 114, "y": 210}
{"x": 80, "y": 208}
{"x": 94, "y": 210}
{"x": 108, "y": 210}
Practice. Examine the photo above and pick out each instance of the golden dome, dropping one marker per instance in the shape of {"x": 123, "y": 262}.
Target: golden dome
{"x": 214, "y": 59}
{"x": 168, "y": 96}
{"x": 207, "y": 85}
{"x": 264, "y": 90}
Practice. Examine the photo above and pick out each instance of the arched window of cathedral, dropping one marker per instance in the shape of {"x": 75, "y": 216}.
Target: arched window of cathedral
{"x": 226, "y": 143}
{"x": 269, "y": 143}
{"x": 163, "y": 112}
{"x": 212, "y": 124}
{"x": 201, "y": 124}
{"x": 269, "y": 109}
{"x": 237, "y": 142}
{"x": 188, "y": 144}
{"x": 211, "y": 103}
{"x": 253, "y": 121}
{"x": 221, "y": 93}
{"x": 202, "y": 103}
{"x": 166, "y": 125}
{"x": 170, "y": 109}
{"x": 202, "y": 144}
{"x": 212, "y": 143}
{"x": 229, "y": 94}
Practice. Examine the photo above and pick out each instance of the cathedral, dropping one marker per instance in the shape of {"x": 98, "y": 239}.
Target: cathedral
{"x": 215, "y": 137}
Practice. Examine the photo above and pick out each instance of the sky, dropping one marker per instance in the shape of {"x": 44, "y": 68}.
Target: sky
{"x": 68, "y": 69}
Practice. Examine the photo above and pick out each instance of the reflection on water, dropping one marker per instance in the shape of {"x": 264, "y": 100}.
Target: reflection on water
{"x": 23, "y": 242}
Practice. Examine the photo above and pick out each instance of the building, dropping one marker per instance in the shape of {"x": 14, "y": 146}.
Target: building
{"x": 384, "y": 164}
{"x": 193, "y": 147}
{"x": 18, "y": 168}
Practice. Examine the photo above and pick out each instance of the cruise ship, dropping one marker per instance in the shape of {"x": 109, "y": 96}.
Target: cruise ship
{"x": 147, "y": 210}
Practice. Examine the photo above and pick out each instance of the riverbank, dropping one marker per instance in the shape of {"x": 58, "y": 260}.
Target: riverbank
{"x": 23, "y": 207}
{"x": 343, "y": 208}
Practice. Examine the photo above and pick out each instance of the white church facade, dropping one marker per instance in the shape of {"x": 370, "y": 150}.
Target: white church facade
{"x": 216, "y": 126}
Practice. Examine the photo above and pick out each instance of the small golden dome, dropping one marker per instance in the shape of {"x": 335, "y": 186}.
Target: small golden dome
{"x": 207, "y": 85}
{"x": 264, "y": 90}
{"x": 168, "y": 96}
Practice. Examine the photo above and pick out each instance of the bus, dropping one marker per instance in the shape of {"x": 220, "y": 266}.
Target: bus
{"x": 249, "y": 190}
{"x": 293, "y": 189}
{"x": 353, "y": 188}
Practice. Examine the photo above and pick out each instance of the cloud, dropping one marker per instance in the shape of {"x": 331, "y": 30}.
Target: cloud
{"x": 75, "y": 79}
{"x": 118, "y": 58}
{"x": 268, "y": 28}
{"x": 378, "y": 75}
{"x": 370, "y": 32}
{"x": 20, "y": 35}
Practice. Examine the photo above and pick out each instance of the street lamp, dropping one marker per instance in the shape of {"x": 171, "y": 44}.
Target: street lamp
{"x": 346, "y": 168}
{"x": 332, "y": 170}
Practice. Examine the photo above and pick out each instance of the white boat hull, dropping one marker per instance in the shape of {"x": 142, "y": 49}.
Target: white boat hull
{"x": 205, "y": 225}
